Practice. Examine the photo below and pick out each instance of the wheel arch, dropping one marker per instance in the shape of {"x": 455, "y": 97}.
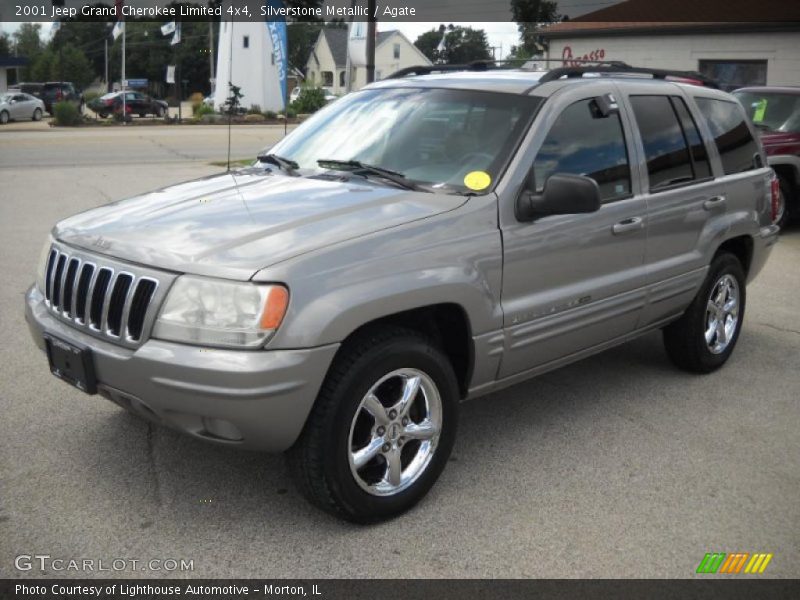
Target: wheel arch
{"x": 741, "y": 247}
{"x": 446, "y": 323}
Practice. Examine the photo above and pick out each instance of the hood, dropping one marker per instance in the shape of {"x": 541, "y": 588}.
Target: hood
{"x": 779, "y": 142}
{"x": 234, "y": 224}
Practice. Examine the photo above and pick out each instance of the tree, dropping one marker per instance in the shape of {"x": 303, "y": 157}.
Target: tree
{"x": 5, "y": 44}
{"x": 461, "y": 45}
{"x": 529, "y": 15}
{"x": 28, "y": 44}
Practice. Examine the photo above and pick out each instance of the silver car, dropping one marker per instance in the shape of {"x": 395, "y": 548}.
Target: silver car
{"x": 425, "y": 240}
{"x": 17, "y": 106}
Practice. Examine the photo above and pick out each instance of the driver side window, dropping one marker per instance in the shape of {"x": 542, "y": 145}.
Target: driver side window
{"x": 584, "y": 142}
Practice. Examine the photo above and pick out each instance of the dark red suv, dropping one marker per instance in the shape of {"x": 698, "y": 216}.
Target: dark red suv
{"x": 775, "y": 111}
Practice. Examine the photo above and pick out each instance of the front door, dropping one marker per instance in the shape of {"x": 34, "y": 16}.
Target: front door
{"x": 573, "y": 282}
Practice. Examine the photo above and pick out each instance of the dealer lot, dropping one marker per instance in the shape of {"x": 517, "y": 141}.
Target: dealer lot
{"x": 617, "y": 466}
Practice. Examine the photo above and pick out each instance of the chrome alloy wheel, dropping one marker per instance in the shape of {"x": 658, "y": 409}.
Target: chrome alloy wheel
{"x": 394, "y": 432}
{"x": 722, "y": 314}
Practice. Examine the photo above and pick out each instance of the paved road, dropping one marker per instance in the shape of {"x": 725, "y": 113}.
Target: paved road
{"x": 618, "y": 466}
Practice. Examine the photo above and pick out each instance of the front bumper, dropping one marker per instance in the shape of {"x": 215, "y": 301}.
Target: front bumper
{"x": 255, "y": 399}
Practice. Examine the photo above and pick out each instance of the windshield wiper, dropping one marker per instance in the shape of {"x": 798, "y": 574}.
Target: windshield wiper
{"x": 359, "y": 168}
{"x": 763, "y": 127}
{"x": 285, "y": 164}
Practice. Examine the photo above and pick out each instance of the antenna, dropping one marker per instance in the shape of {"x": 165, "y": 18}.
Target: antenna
{"x": 230, "y": 107}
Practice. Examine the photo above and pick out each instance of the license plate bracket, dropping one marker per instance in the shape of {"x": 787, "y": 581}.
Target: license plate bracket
{"x": 71, "y": 363}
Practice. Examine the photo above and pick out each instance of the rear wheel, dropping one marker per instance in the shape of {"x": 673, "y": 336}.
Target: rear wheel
{"x": 37, "y": 114}
{"x": 160, "y": 111}
{"x": 703, "y": 339}
{"x": 3, "y": 117}
{"x": 382, "y": 428}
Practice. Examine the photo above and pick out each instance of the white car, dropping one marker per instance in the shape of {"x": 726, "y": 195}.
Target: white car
{"x": 329, "y": 95}
{"x": 18, "y": 105}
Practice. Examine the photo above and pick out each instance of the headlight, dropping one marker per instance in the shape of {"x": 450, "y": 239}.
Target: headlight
{"x": 212, "y": 312}
{"x": 42, "y": 266}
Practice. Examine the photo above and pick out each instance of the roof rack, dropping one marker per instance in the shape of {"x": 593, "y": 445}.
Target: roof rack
{"x": 623, "y": 69}
{"x": 486, "y": 65}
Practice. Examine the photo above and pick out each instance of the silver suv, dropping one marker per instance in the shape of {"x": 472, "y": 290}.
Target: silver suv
{"x": 428, "y": 239}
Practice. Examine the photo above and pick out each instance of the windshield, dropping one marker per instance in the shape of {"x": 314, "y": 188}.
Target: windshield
{"x": 772, "y": 111}
{"x": 433, "y": 137}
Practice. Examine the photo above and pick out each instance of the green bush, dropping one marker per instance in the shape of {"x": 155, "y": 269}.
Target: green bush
{"x": 270, "y": 114}
{"x": 254, "y": 109}
{"x": 254, "y": 117}
{"x": 67, "y": 114}
{"x": 310, "y": 100}
{"x": 290, "y": 113}
{"x": 202, "y": 110}
{"x": 89, "y": 96}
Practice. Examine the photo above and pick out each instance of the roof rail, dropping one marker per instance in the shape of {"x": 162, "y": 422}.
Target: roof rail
{"x": 486, "y": 65}
{"x": 623, "y": 69}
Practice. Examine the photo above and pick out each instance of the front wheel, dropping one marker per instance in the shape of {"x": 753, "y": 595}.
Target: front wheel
{"x": 3, "y": 117}
{"x": 782, "y": 214}
{"x": 703, "y": 339}
{"x": 37, "y": 114}
{"x": 382, "y": 428}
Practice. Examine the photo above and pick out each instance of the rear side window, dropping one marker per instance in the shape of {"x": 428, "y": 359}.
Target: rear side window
{"x": 737, "y": 148}
{"x": 583, "y": 142}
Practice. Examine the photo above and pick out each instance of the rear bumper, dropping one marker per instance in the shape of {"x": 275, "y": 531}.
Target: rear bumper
{"x": 257, "y": 400}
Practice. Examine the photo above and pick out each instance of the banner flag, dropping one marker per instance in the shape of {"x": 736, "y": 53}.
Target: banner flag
{"x": 277, "y": 33}
{"x": 168, "y": 28}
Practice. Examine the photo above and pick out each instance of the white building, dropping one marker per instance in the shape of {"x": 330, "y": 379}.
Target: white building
{"x": 9, "y": 64}
{"x": 327, "y": 63}
{"x": 734, "y": 53}
{"x": 245, "y": 57}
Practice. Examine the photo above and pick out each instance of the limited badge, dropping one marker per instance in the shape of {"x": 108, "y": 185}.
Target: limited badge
{"x": 477, "y": 180}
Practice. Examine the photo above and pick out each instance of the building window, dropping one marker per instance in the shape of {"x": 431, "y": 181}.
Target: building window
{"x": 327, "y": 78}
{"x": 726, "y": 120}
{"x": 581, "y": 142}
{"x": 246, "y": 41}
{"x": 397, "y": 51}
{"x": 733, "y": 74}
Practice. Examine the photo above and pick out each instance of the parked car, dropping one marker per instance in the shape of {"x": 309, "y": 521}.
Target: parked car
{"x": 59, "y": 91}
{"x": 295, "y": 94}
{"x": 136, "y": 103}
{"x": 419, "y": 242}
{"x": 34, "y": 89}
{"x": 775, "y": 111}
{"x": 17, "y": 106}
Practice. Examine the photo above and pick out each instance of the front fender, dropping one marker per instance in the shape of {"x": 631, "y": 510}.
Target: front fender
{"x": 453, "y": 258}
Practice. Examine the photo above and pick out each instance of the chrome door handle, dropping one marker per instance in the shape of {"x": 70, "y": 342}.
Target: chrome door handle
{"x": 714, "y": 202}
{"x": 628, "y": 225}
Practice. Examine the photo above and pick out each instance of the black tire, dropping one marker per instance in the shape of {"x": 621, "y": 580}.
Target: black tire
{"x": 4, "y": 117}
{"x": 103, "y": 115}
{"x": 159, "y": 112}
{"x": 37, "y": 114}
{"x": 685, "y": 339}
{"x": 319, "y": 460}
{"x": 786, "y": 198}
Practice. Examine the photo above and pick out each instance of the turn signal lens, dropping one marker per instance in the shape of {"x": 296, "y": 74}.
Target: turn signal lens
{"x": 275, "y": 307}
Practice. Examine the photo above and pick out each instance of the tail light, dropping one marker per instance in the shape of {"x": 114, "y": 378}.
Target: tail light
{"x": 775, "y": 198}
{"x": 58, "y": 94}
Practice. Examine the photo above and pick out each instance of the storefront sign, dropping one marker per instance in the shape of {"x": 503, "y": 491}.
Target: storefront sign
{"x": 572, "y": 61}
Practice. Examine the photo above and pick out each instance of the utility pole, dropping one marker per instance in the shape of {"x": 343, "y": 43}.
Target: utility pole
{"x": 211, "y": 76}
{"x": 371, "y": 29}
{"x": 108, "y": 89}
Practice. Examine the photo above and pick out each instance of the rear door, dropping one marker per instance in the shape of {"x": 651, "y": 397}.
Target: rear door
{"x": 682, "y": 194}
{"x": 573, "y": 282}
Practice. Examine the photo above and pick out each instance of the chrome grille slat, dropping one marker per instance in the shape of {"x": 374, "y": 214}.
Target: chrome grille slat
{"x": 103, "y": 297}
{"x": 107, "y": 302}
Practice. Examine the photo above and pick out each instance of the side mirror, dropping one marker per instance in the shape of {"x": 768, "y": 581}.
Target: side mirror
{"x": 562, "y": 195}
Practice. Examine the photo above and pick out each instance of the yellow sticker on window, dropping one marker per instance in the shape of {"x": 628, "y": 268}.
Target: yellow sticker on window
{"x": 477, "y": 180}
{"x": 761, "y": 109}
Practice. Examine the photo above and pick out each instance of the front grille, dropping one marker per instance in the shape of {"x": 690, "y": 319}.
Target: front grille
{"x": 102, "y": 297}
